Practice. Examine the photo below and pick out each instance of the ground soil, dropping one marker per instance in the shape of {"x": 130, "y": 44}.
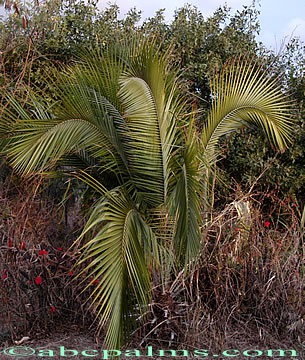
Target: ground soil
{"x": 72, "y": 338}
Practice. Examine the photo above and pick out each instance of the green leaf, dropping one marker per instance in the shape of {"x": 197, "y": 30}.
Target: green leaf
{"x": 116, "y": 258}
{"x": 243, "y": 94}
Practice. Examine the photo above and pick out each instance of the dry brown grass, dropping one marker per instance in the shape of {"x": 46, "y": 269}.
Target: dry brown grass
{"x": 248, "y": 286}
{"x": 246, "y": 289}
{"x": 36, "y": 290}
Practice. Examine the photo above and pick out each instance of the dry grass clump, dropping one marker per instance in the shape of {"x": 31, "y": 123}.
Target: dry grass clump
{"x": 36, "y": 288}
{"x": 248, "y": 285}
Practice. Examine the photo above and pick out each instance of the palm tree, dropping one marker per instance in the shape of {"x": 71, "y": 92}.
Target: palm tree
{"x": 119, "y": 122}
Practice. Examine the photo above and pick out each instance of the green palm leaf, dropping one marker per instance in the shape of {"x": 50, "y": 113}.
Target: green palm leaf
{"x": 41, "y": 142}
{"x": 116, "y": 258}
{"x": 150, "y": 102}
{"x": 185, "y": 202}
{"x": 83, "y": 121}
{"x": 243, "y": 94}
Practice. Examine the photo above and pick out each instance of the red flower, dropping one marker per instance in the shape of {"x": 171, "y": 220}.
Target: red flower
{"x": 4, "y": 276}
{"x": 38, "y": 280}
{"x": 237, "y": 229}
{"x": 294, "y": 204}
{"x": 267, "y": 224}
{"x": 52, "y": 309}
{"x": 43, "y": 252}
{"x": 22, "y": 245}
{"x": 70, "y": 273}
{"x": 59, "y": 249}
{"x": 94, "y": 282}
{"x": 287, "y": 200}
{"x": 10, "y": 243}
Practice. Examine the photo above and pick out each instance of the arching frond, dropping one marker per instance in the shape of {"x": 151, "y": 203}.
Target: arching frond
{"x": 151, "y": 105}
{"x": 116, "y": 259}
{"x": 40, "y": 142}
{"x": 84, "y": 120}
{"x": 243, "y": 93}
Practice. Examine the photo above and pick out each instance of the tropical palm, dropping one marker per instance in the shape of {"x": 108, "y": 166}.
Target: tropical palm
{"x": 120, "y": 115}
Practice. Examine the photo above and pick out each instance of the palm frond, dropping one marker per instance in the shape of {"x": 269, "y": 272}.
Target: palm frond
{"x": 83, "y": 120}
{"x": 116, "y": 259}
{"x": 243, "y": 93}
{"x": 82, "y": 98}
{"x": 8, "y": 120}
{"x": 40, "y": 142}
{"x": 185, "y": 202}
{"x": 102, "y": 69}
{"x": 150, "y": 105}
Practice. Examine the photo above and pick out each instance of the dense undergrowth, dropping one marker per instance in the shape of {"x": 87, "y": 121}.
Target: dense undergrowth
{"x": 249, "y": 282}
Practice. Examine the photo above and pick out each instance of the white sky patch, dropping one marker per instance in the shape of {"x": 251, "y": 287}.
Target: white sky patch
{"x": 272, "y": 40}
{"x": 295, "y": 28}
{"x": 275, "y": 39}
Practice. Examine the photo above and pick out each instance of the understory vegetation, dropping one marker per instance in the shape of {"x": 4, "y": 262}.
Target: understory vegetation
{"x": 248, "y": 287}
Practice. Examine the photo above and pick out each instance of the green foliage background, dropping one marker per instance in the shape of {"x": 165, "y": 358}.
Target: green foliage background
{"x": 33, "y": 36}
